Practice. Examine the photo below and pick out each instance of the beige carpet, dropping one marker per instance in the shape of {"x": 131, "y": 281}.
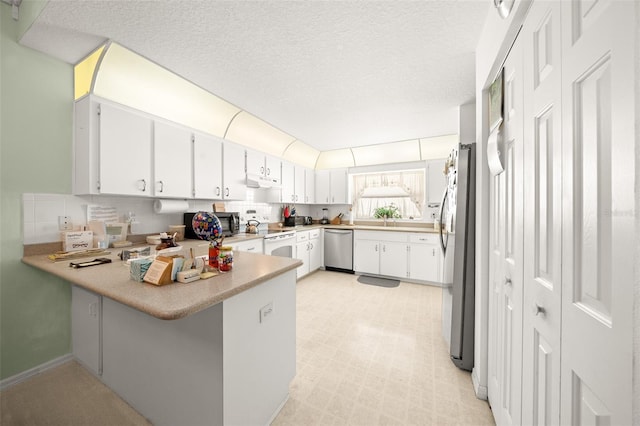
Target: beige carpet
{"x": 66, "y": 395}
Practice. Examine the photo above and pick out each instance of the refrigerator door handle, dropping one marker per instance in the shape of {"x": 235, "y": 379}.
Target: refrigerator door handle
{"x": 443, "y": 243}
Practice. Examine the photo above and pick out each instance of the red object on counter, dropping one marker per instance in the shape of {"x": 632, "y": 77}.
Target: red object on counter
{"x": 286, "y": 211}
{"x": 213, "y": 256}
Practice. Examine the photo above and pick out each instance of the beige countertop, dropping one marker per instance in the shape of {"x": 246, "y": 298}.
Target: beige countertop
{"x": 172, "y": 301}
{"x": 424, "y": 229}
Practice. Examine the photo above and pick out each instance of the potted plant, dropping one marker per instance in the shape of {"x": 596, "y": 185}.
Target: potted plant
{"x": 387, "y": 212}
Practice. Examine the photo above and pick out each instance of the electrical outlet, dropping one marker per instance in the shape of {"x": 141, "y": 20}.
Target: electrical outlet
{"x": 266, "y": 311}
{"x": 64, "y": 223}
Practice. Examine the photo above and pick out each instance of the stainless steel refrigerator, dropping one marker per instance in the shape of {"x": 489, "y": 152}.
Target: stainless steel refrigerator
{"x": 462, "y": 223}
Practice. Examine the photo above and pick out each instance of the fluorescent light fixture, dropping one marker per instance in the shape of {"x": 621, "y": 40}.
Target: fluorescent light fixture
{"x": 385, "y": 153}
{"x": 249, "y": 130}
{"x": 438, "y": 147}
{"x": 130, "y": 79}
{"x": 335, "y": 159}
{"x": 302, "y": 154}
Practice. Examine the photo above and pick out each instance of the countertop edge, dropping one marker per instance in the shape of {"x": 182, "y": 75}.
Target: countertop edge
{"x": 39, "y": 262}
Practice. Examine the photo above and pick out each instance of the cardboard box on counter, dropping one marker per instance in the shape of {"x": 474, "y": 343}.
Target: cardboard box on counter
{"x": 77, "y": 240}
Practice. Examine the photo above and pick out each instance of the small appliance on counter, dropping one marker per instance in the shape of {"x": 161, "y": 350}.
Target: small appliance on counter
{"x": 307, "y": 220}
{"x": 325, "y": 217}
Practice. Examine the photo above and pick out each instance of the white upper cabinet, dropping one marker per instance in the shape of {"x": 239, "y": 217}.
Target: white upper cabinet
{"x": 331, "y": 186}
{"x": 233, "y": 173}
{"x": 436, "y": 182}
{"x": 339, "y": 186}
{"x": 207, "y": 167}
{"x": 264, "y": 166}
{"x": 112, "y": 150}
{"x": 288, "y": 178}
{"x": 298, "y": 184}
{"x": 172, "y": 167}
{"x": 323, "y": 192}
{"x": 309, "y": 186}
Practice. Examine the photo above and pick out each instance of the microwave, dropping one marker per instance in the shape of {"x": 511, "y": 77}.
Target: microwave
{"x": 230, "y": 222}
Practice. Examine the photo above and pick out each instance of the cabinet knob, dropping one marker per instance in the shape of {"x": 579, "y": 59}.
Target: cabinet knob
{"x": 538, "y": 310}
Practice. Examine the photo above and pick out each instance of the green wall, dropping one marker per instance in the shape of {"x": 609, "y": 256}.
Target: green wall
{"x": 36, "y": 111}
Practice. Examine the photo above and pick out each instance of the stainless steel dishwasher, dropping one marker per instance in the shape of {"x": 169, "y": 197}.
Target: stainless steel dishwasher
{"x": 338, "y": 250}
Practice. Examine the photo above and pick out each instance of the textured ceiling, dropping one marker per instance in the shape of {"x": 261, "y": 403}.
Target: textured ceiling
{"x": 332, "y": 74}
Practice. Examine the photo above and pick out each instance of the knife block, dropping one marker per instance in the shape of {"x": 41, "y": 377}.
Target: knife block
{"x": 336, "y": 220}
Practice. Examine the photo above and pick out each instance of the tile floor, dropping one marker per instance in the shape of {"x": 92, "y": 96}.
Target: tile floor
{"x": 370, "y": 355}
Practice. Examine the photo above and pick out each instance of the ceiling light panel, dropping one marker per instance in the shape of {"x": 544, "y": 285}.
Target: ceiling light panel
{"x": 395, "y": 152}
{"x": 301, "y": 153}
{"x": 438, "y": 147}
{"x": 249, "y": 130}
{"x": 148, "y": 87}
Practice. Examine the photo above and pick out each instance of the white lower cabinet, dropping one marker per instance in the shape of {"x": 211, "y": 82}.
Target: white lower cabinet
{"x": 403, "y": 255}
{"x": 86, "y": 318}
{"x": 380, "y": 253}
{"x": 308, "y": 250}
{"x": 252, "y": 246}
{"x": 424, "y": 257}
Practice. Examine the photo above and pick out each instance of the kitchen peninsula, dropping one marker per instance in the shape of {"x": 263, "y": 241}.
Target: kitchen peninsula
{"x": 215, "y": 351}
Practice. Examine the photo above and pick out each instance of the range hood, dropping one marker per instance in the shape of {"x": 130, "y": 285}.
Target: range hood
{"x": 257, "y": 181}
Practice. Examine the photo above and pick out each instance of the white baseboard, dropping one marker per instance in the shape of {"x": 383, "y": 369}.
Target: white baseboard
{"x": 481, "y": 391}
{"x": 21, "y": 377}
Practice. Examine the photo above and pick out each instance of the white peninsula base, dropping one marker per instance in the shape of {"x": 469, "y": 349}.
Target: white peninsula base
{"x": 230, "y": 364}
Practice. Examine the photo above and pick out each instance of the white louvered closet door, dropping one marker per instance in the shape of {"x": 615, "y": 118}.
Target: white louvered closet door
{"x": 598, "y": 224}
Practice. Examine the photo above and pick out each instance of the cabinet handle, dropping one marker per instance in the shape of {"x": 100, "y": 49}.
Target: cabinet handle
{"x": 376, "y": 247}
{"x": 251, "y": 248}
{"x": 226, "y": 193}
{"x": 262, "y": 170}
{"x": 293, "y": 197}
{"x": 507, "y": 281}
{"x": 161, "y": 186}
{"x": 217, "y": 190}
{"x": 384, "y": 248}
{"x": 311, "y": 246}
{"x": 434, "y": 252}
{"x": 144, "y": 185}
{"x": 268, "y": 171}
{"x": 296, "y": 198}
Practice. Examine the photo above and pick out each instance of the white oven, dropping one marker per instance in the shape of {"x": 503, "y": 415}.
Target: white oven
{"x": 280, "y": 244}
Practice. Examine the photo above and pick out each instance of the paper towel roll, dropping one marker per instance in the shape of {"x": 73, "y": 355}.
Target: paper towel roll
{"x": 170, "y": 206}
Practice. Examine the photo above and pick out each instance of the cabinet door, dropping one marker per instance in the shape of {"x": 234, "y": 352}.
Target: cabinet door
{"x": 315, "y": 254}
{"x": 272, "y": 168}
{"x": 436, "y": 182}
{"x": 323, "y": 191}
{"x": 366, "y": 256}
{"x": 288, "y": 178}
{"x": 125, "y": 152}
{"x": 424, "y": 262}
{"x": 339, "y": 186}
{"x": 309, "y": 186}
{"x": 207, "y": 167}
{"x": 85, "y": 328}
{"x": 171, "y": 161}
{"x": 298, "y": 184}
{"x": 234, "y": 176}
{"x": 255, "y": 163}
{"x": 302, "y": 253}
{"x": 393, "y": 259}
